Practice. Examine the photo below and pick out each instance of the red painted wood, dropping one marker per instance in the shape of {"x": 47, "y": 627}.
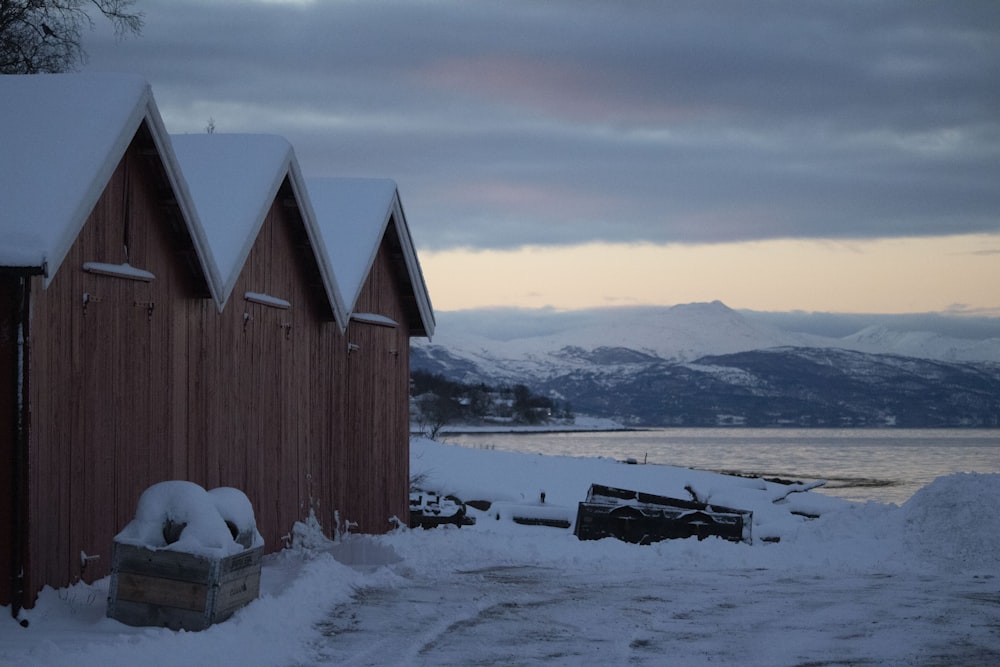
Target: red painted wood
{"x": 133, "y": 382}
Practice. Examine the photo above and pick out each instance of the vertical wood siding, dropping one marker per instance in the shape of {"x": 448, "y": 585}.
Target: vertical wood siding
{"x": 283, "y": 410}
{"x": 375, "y": 426}
{"x": 104, "y": 426}
{"x": 133, "y": 383}
{"x": 254, "y": 422}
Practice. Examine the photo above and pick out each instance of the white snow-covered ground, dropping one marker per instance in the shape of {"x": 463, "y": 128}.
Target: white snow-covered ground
{"x": 862, "y": 584}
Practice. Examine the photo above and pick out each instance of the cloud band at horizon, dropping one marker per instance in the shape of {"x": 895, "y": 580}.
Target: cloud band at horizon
{"x": 957, "y": 275}
{"x": 596, "y": 155}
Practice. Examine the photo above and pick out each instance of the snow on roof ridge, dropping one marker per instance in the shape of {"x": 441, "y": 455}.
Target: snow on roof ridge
{"x": 67, "y": 133}
{"x": 63, "y": 133}
{"x": 234, "y": 179}
{"x": 353, "y": 214}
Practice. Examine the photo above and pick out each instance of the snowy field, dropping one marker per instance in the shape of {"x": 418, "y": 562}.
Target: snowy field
{"x": 867, "y": 584}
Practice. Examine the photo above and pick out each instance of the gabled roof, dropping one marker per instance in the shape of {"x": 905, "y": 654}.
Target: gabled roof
{"x": 233, "y": 180}
{"x": 62, "y": 136}
{"x": 354, "y": 215}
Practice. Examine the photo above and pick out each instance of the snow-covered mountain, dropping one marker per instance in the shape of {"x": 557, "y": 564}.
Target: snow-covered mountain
{"x": 704, "y": 363}
{"x": 551, "y": 342}
{"x": 922, "y": 344}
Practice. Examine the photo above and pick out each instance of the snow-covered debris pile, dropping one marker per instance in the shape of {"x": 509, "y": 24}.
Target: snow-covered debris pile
{"x": 183, "y": 516}
{"x": 429, "y": 509}
{"x": 308, "y": 538}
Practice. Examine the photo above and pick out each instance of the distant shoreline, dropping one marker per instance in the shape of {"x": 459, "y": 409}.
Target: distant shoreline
{"x": 513, "y": 430}
{"x": 584, "y": 425}
{"x": 618, "y": 428}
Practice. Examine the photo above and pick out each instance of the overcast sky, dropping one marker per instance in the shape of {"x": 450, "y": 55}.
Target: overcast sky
{"x": 671, "y": 130}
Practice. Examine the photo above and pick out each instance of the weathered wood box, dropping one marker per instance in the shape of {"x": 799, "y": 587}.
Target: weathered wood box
{"x": 178, "y": 590}
{"x": 644, "y": 518}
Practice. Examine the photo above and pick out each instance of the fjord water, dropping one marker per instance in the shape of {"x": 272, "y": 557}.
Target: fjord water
{"x": 886, "y": 465}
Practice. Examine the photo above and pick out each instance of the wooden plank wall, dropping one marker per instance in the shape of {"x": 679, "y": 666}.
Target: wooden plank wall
{"x": 259, "y": 418}
{"x": 138, "y": 382}
{"x": 375, "y": 427}
{"x": 284, "y": 411}
{"x": 103, "y": 380}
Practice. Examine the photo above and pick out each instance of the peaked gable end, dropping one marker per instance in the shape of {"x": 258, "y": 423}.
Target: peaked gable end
{"x": 64, "y": 135}
{"x": 235, "y": 180}
{"x": 358, "y": 217}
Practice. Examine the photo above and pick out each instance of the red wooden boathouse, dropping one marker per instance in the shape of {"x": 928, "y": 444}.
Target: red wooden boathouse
{"x": 155, "y": 325}
{"x": 367, "y": 238}
{"x": 102, "y": 260}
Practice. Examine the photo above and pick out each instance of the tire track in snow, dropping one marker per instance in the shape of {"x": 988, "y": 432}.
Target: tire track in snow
{"x": 527, "y": 615}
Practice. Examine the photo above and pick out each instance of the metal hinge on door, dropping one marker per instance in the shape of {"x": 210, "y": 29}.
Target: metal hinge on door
{"x": 88, "y": 299}
{"x": 148, "y": 305}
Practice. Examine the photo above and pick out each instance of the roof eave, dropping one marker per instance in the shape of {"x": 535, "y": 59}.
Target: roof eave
{"x": 420, "y": 292}
{"x": 309, "y": 220}
{"x": 185, "y": 202}
{"x": 352, "y": 302}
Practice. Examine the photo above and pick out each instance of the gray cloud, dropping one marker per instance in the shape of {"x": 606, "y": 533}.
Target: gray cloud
{"x": 549, "y": 123}
{"x": 511, "y": 323}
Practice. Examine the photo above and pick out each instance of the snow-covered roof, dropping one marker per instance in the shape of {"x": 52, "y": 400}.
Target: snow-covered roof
{"x": 62, "y": 136}
{"x": 234, "y": 179}
{"x": 353, "y": 216}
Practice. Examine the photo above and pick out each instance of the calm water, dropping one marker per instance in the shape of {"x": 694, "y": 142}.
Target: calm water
{"x": 887, "y": 465}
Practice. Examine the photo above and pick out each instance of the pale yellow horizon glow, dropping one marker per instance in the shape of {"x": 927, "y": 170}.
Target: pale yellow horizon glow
{"x": 957, "y": 274}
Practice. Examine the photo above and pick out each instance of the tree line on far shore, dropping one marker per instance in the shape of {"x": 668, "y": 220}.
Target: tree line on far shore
{"x": 436, "y": 401}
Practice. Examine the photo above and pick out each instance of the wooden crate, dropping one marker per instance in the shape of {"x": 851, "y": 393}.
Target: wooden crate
{"x": 644, "y": 518}
{"x": 178, "y": 590}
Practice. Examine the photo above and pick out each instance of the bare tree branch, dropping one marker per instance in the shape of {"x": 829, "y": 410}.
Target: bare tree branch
{"x": 45, "y": 35}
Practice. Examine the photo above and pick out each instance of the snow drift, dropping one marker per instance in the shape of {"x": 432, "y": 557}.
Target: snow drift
{"x": 861, "y": 583}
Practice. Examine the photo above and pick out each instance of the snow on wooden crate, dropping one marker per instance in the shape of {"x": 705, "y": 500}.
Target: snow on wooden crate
{"x": 643, "y": 518}
{"x": 189, "y": 559}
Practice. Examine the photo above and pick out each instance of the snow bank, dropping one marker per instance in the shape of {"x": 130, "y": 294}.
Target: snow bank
{"x": 182, "y": 516}
{"x": 955, "y": 522}
{"x": 69, "y": 628}
{"x": 865, "y": 582}
{"x": 511, "y": 478}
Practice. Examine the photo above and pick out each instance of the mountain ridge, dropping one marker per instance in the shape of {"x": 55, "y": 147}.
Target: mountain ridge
{"x": 706, "y": 364}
